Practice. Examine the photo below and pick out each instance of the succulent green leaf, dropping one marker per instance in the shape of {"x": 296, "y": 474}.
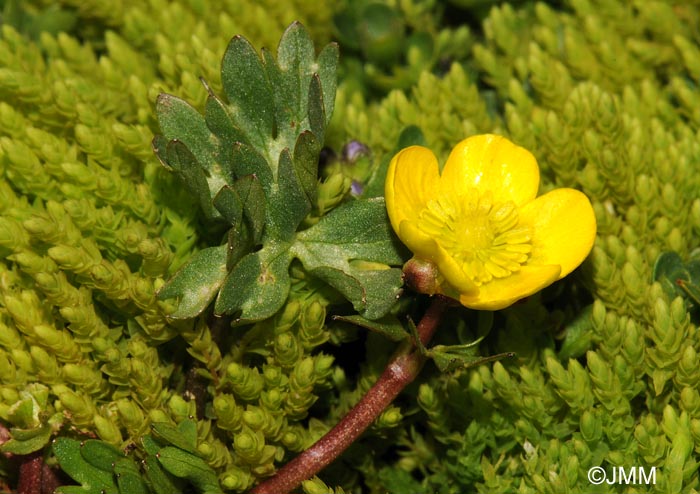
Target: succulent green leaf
{"x": 388, "y": 326}
{"x": 195, "y": 285}
{"x": 258, "y": 285}
{"x": 93, "y": 480}
{"x": 397, "y": 480}
{"x": 186, "y": 465}
{"x": 25, "y": 441}
{"x": 351, "y": 249}
{"x": 248, "y": 90}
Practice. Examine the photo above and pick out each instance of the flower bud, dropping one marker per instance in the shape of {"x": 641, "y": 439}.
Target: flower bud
{"x": 421, "y": 276}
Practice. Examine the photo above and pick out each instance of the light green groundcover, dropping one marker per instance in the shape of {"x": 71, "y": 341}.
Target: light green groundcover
{"x": 93, "y": 362}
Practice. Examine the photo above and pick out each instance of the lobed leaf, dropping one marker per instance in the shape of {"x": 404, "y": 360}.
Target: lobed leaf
{"x": 258, "y": 285}
{"x": 195, "y": 285}
{"x": 351, "y": 249}
{"x": 249, "y": 92}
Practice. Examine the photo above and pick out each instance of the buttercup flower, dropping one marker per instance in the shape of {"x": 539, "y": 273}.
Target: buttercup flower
{"x": 481, "y": 223}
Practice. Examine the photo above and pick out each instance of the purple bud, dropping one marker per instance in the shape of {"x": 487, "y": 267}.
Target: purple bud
{"x": 354, "y": 150}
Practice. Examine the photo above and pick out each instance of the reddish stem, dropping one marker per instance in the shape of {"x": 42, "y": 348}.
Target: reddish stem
{"x": 35, "y": 476}
{"x": 30, "y": 473}
{"x": 401, "y": 370}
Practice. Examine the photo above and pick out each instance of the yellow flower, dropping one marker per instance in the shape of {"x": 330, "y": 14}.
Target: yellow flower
{"x": 481, "y": 223}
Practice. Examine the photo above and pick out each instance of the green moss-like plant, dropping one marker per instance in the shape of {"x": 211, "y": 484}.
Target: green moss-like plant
{"x": 605, "y": 94}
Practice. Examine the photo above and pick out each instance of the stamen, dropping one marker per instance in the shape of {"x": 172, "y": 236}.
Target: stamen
{"x": 483, "y": 236}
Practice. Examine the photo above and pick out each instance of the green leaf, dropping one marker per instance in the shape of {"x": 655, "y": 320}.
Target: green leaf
{"x": 178, "y": 120}
{"x": 316, "y": 111}
{"x": 290, "y": 75}
{"x": 451, "y": 358}
{"x": 388, "y": 326}
{"x": 160, "y": 481}
{"x": 150, "y": 445}
{"x": 258, "y": 285}
{"x": 185, "y": 465}
{"x": 351, "y": 249}
{"x": 100, "y": 454}
{"x": 248, "y": 90}
{"x": 358, "y": 229}
{"x": 184, "y": 435}
{"x": 93, "y": 480}
{"x": 289, "y": 205}
{"x": 327, "y": 63}
{"x": 229, "y": 204}
{"x": 248, "y": 161}
{"x": 25, "y": 441}
{"x": 578, "y": 335}
{"x": 252, "y": 196}
{"x": 397, "y": 480}
{"x": 372, "y": 292}
{"x": 178, "y": 158}
{"x": 674, "y": 276}
{"x": 129, "y": 477}
{"x": 220, "y": 121}
{"x": 195, "y": 285}
{"x": 305, "y": 159}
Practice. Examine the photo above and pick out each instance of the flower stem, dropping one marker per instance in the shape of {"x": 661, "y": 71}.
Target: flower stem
{"x": 401, "y": 370}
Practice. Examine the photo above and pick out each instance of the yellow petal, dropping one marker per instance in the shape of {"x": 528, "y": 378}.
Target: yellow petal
{"x": 501, "y": 293}
{"x": 425, "y": 247}
{"x": 412, "y": 179}
{"x": 492, "y": 163}
{"x": 564, "y": 228}
{"x": 422, "y": 245}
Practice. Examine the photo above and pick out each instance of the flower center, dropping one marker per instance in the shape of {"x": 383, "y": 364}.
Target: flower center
{"x": 483, "y": 236}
